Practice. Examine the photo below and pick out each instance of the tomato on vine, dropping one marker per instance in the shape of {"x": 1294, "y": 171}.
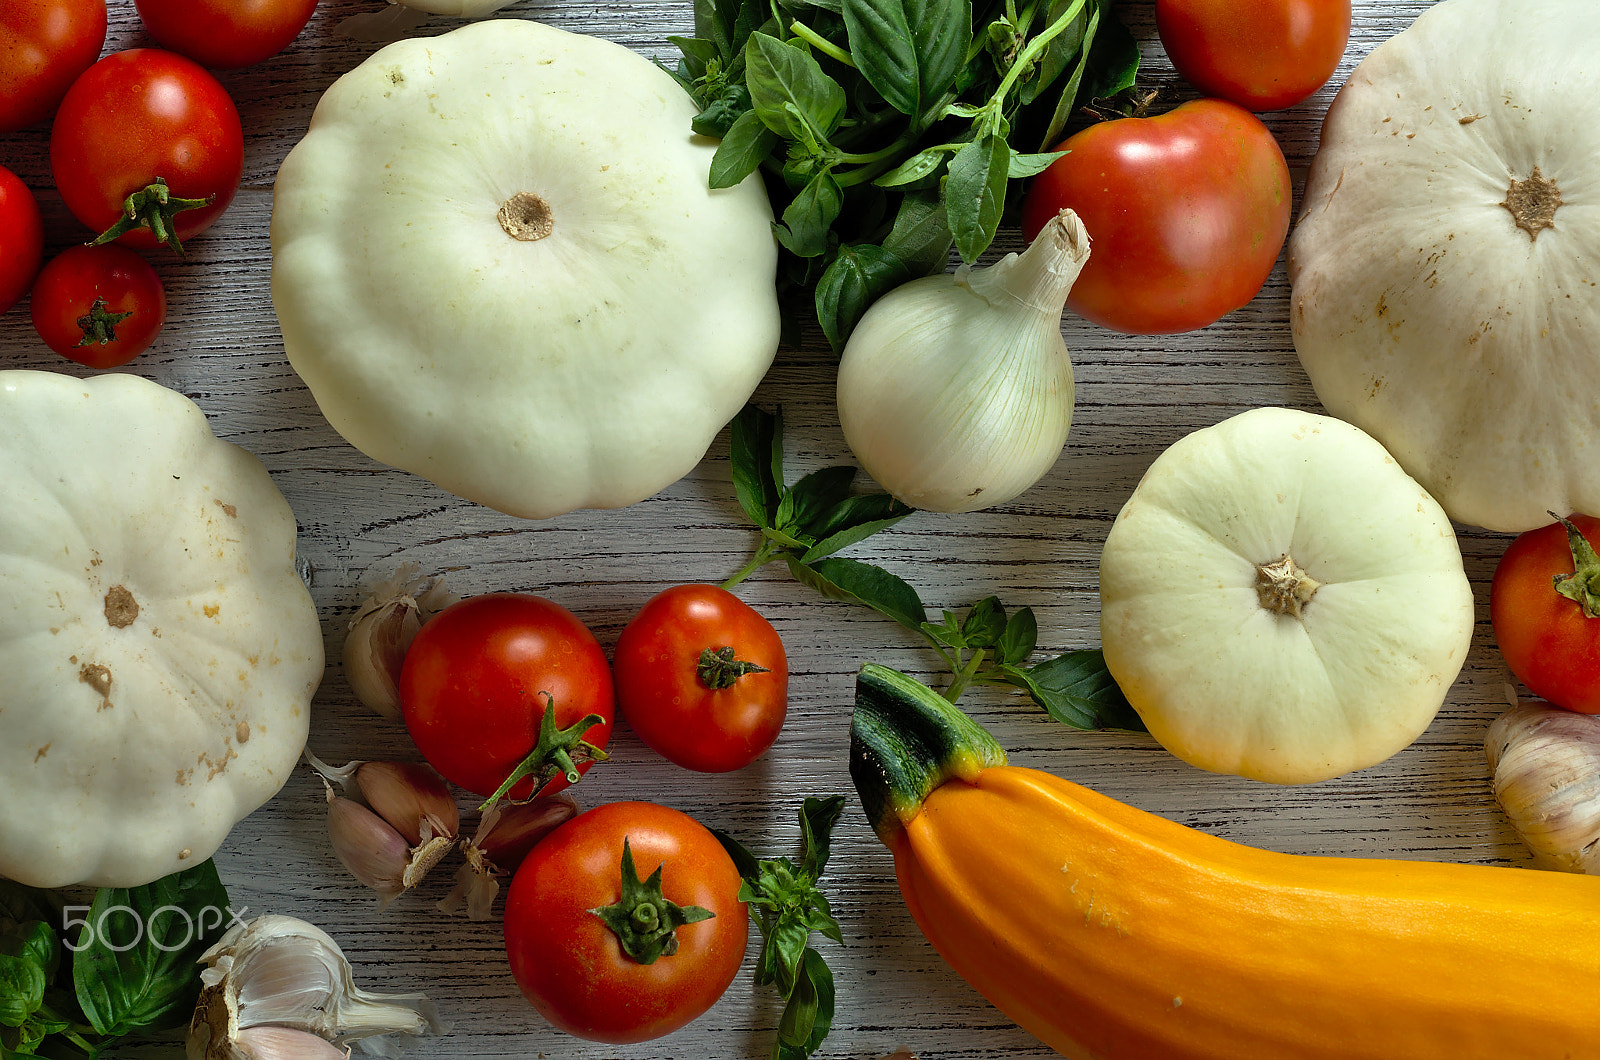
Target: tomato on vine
{"x": 44, "y": 46}
{"x": 507, "y": 695}
{"x": 1260, "y": 54}
{"x": 147, "y": 149}
{"x": 1187, "y": 211}
{"x": 21, "y": 239}
{"x": 225, "y": 34}
{"x": 101, "y": 306}
{"x": 625, "y": 923}
{"x": 1544, "y": 605}
{"x": 702, "y": 678}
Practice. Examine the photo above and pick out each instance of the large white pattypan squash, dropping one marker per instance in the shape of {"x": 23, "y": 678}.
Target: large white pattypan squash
{"x": 158, "y": 647}
{"x": 1446, "y": 262}
{"x": 1279, "y": 600}
{"x": 497, "y": 264}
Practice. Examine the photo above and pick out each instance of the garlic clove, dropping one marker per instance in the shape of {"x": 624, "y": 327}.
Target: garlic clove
{"x": 383, "y": 628}
{"x": 1546, "y": 775}
{"x": 284, "y": 1043}
{"x": 410, "y": 796}
{"x": 369, "y": 847}
{"x": 282, "y": 971}
{"x": 504, "y": 837}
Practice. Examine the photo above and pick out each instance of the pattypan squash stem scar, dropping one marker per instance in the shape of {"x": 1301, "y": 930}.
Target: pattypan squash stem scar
{"x": 1582, "y": 586}
{"x": 558, "y": 751}
{"x": 822, "y": 44}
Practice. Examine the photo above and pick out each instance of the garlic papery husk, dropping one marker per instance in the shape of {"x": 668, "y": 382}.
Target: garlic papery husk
{"x": 955, "y": 391}
{"x": 1546, "y": 766}
{"x": 381, "y": 630}
{"x": 283, "y": 1043}
{"x": 504, "y": 837}
{"x": 282, "y": 971}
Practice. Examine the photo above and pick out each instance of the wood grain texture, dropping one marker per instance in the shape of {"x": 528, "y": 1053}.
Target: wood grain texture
{"x": 359, "y": 520}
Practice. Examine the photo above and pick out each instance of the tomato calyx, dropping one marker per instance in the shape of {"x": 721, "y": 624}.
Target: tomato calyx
{"x": 99, "y": 324}
{"x": 718, "y": 668}
{"x": 1582, "y": 586}
{"x": 557, "y": 751}
{"x": 152, "y": 207}
{"x": 644, "y": 921}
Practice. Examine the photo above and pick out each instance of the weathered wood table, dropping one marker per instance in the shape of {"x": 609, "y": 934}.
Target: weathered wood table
{"x": 360, "y": 520}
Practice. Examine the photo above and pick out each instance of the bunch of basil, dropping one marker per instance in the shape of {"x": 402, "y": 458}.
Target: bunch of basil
{"x": 127, "y": 969}
{"x": 889, "y": 130}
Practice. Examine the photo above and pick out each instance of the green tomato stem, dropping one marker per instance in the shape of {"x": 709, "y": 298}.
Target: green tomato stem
{"x": 1582, "y": 586}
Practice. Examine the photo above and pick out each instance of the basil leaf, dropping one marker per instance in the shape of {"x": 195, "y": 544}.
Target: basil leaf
{"x": 820, "y": 979}
{"x": 746, "y": 143}
{"x": 851, "y": 580}
{"x": 1022, "y": 165}
{"x": 800, "y": 1014}
{"x": 1113, "y": 57}
{"x": 697, "y": 55}
{"x": 1077, "y": 689}
{"x": 921, "y": 234}
{"x": 779, "y": 74}
{"x": 856, "y": 278}
{"x": 922, "y": 164}
{"x": 757, "y": 458}
{"x": 809, "y": 218}
{"x": 852, "y": 520}
{"x": 975, "y": 194}
{"x": 729, "y": 24}
{"x": 1069, "y": 93}
{"x": 719, "y": 116}
{"x": 817, "y": 493}
{"x": 909, "y": 50}
{"x": 1019, "y": 638}
{"x": 985, "y": 624}
{"x": 19, "y": 904}
{"x": 139, "y": 971}
{"x": 743, "y": 861}
{"x": 817, "y": 818}
{"x": 1063, "y": 47}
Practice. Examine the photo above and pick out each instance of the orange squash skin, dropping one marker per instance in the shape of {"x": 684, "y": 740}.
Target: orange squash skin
{"x": 1114, "y": 934}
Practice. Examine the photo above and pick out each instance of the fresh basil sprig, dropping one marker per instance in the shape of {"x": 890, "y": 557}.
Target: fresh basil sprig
{"x": 806, "y": 523}
{"x": 788, "y": 907}
{"x": 889, "y": 131}
{"x": 130, "y": 969}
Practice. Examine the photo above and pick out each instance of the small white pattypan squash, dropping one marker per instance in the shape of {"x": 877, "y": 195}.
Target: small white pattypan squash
{"x": 1279, "y": 600}
{"x": 1445, "y": 264}
{"x": 159, "y": 649}
{"x": 498, "y": 264}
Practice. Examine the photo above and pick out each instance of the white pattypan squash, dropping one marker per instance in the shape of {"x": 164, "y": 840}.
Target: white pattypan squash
{"x": 1446, "y": 261}
{"x": 158, "y": 647}
{"x": 497, "y": 264}
{"x": 1280, "y": 601}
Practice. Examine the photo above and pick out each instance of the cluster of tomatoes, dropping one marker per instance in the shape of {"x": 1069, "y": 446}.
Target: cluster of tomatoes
{"x": 1189, "y": 209}
{"x": 146, "y": 150}
{"x": 702, "y": 678}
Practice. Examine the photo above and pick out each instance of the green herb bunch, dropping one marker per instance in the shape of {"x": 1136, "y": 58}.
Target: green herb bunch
{"x": 889, "y": 130}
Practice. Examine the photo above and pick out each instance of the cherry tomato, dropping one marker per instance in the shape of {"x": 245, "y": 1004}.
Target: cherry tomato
{"x": 1547, "y": 639}
{"x": 139, "y": 117}
{"x": 1186, "y": 212}
{"x": 21, "y": 238}
{"x": 573, "y": 967}
{"x": 44, "y": 46}
{"x": 1260, "y": 54}
{"x": 478, "y": 679}
{"x": 225, "y": 34}
{"x": 100, "y": 306}
{"x": 685, "y": 683}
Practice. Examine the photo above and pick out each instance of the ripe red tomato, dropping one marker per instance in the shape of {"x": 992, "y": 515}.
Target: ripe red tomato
{"x": 1186, "y": 212}
{"x": 681, "y": 685}
{"x": 477, "y": 679}
{"x": 21, "y": 238}
{"x": 1260, "y": 54}
{"x": 100, "y": 306}
{"x": 44, "y": 46}
{"x": 572, "y": 966}
{"x": 139, "y": 117}
{"x": 225, "y": 34}
{"x": 1548, "y": 641}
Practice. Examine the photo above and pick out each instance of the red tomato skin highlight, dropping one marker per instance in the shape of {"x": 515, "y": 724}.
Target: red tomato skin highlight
{"x": 138, "y": 115}
{"x": 569, "y": 965}
{"x": 21, "y": 239}
{"x": 1261, "y": 54}
{"x": 1187, "y": 212}
{"x": 225, "y": 34}
{"x": 474, "y": 682}
{"x": 68, "y": 287}
{"x": 663, "y": 699}
{"x": 1545, "y": 638}
{"x": 44, "y": 46}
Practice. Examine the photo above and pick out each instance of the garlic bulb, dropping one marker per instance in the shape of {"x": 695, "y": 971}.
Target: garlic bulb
{"x": 382, "y": 629}
{"x": 282, "y": 972}
{"x": 955, "y": 391}
{"x": 1546, "y": 766}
